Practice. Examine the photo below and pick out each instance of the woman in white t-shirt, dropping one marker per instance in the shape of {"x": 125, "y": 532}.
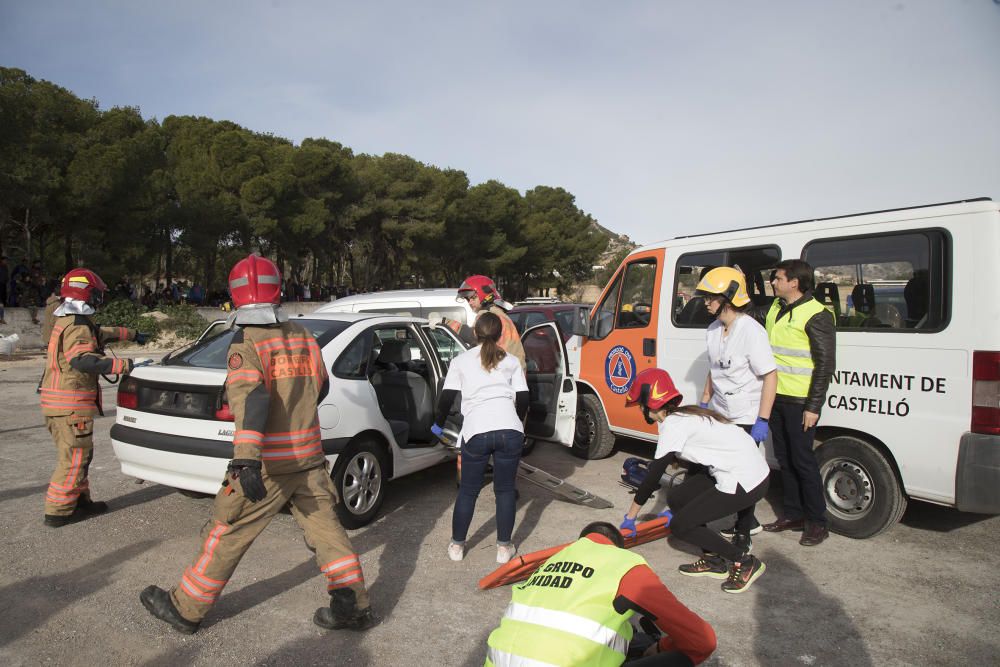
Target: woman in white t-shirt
{"x": 494, "y": 403}
{"x": 729, "y": 475}
{"x": 742, "y": 377}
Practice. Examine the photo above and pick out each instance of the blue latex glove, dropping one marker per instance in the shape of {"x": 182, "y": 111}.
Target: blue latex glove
{"x": 437, "y": 430}
{"x": 627, "y": 529}
{"x": 668, "y": 514}
{"x": 703, "y": 405}
{"x": 142, "y": 338}
{"x": 759, "y": 430}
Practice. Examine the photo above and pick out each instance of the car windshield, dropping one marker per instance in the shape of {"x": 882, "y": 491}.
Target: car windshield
{"x": 212, "y": 352}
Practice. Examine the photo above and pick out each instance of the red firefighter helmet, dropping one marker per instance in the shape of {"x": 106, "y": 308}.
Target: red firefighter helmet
{"x": 655, "y": 388}
{"x": 253, "y": 280}
{"x": 83, "y": 285}
{"x": 481, "y": 286}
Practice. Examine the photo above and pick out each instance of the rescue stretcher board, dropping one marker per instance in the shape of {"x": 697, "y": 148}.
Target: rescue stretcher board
{"x": 521, "y": 567}
{"x": 561, "y": 487}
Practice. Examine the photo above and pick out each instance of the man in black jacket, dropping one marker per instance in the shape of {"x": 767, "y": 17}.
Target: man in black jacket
{"x": 803, "y": 338}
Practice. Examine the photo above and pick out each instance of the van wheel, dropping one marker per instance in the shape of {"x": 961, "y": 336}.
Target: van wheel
{"x": 593, "y": 439}
{"x": 359, "y": 477}
{"x": 863, "y": 495}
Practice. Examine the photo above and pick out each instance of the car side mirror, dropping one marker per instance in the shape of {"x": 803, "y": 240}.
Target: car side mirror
{"x": 581, "y": 322}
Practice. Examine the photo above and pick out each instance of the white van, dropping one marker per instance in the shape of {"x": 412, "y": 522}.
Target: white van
{"x": 428, "y": 303}
{"x": 913, "y": 410}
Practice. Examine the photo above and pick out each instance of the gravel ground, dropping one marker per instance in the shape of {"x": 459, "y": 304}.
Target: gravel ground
{"x": 924, "y": 593}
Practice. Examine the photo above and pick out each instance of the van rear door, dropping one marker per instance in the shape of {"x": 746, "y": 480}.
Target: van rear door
{"x": 552, "y": 390}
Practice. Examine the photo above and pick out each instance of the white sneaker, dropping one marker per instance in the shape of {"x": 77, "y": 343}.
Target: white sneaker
{"x": 456, "y": 551}
{"x": 505, "y": 552}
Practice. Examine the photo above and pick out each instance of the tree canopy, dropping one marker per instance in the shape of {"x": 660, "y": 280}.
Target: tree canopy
{"x": 187, "y": 196}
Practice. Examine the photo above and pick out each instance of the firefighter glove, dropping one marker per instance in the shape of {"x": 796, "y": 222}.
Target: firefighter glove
{"x": 759, "y": 430}
{"x": 142, "y": 338}
{"x": 248, "y": 472}
{"x": 627, "y": 529}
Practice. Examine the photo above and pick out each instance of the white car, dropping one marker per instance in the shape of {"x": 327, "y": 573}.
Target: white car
{"x": 174, "y": 427}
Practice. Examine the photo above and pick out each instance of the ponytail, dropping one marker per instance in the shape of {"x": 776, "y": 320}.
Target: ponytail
{"x": 697, "y": 412}
{"x": 488, "y": 329}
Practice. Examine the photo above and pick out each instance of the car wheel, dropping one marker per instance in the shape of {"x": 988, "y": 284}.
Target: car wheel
{"x": 593, "y": 439}
{"x": 359, "y": 477}
{"x": 863, "y": 494}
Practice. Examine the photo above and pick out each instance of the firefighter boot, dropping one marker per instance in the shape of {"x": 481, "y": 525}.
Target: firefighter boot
{"x": 157, "y": 602}
{"x": 85, "y": 508}
{"x": 343, "y": 613}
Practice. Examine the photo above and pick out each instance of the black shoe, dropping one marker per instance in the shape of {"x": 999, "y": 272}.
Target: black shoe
{"x": 742, "y": 574}
{"x": 157, "y": 601}
{"x": 85, "y": 508}
{"x": 731, "y": 532}
{"x": 814, "y": 534}
{"x": 743, "y": 542}
{"x": 709, "y": 565}
{"x": 343, "y": 613}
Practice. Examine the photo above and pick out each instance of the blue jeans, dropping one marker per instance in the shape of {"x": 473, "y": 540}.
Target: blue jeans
{"x": 505, "y": 448}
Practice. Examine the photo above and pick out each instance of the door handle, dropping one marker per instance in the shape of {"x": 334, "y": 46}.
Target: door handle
{"x": 649, "y": 347}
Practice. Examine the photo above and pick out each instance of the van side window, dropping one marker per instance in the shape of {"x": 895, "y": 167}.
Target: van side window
{"x": 604, "y": 318}
{"x": 636, "y": 306}
{"x": 689, "y": 311}
{"x": 888, "y": 282}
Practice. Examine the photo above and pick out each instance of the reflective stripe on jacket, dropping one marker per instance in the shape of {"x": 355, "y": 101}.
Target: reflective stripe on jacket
{"x": 564, "y": 613}
{"x": 285, "y": 362}
{"x": 790, "y": 345}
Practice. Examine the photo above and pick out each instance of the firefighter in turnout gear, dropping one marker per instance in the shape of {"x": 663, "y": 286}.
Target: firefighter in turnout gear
{"x": 275, "y": 380}
{"x": 484, "y": 297}
{"x": 70, "y": 395}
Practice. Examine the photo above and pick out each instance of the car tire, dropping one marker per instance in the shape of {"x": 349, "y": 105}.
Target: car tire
{"x": 360, "y": 478}
{"x": 864, "y": 496}
{"x": 592, "y": 439}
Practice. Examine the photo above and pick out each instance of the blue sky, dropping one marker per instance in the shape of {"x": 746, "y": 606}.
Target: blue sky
{"x": 663, "y": 118}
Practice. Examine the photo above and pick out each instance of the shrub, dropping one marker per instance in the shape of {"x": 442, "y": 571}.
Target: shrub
{"x": 124, "y": 313}
{"x": 184, "y": 320}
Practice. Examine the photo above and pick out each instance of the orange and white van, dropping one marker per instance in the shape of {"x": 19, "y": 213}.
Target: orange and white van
{"x": 913, "y": 410}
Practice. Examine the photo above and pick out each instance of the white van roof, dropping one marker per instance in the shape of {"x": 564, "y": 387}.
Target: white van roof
{"x": 978, "y": 205}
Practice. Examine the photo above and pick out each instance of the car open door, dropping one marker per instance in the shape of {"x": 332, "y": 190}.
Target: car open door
{"x": 552, "y": 389}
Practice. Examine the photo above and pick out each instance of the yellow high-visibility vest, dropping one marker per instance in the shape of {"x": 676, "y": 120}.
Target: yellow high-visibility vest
{"x": 790, "y": 346}
{"x": 564, "y": 613}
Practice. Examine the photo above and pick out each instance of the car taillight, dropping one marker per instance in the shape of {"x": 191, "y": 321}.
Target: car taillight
{"x": 986, "y": 392}
{"x": 224, "y": 414}
{"x": 128, "y": 394}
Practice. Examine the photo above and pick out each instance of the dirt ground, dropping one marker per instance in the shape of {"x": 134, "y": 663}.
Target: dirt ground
{"x": 925, "y": 593}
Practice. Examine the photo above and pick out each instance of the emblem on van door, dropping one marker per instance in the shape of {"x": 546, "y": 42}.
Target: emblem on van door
{"x": 619, "y": 369}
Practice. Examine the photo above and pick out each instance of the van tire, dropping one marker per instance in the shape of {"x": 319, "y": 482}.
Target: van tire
{"x": 592, "y": 439}
{"x": 360, "y": 476}
{"x": 863, "y": 494}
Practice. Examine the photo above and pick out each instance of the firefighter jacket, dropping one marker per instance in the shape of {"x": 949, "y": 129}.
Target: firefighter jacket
{"x": 275, "y": 378}
{"x": 49, "y": 319}
{"x": 510, "y": 340}
{"x": 75, "y": 359}
{"x": 564, "y": 614}
{"x": 804, "y": 340}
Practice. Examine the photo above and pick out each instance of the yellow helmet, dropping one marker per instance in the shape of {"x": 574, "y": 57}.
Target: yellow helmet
{"x": 725, "y": 281}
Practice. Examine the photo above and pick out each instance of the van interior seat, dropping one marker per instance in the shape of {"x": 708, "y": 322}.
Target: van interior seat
{"x": 828, "y": 294}
{"x": 863, "y": 298}
{"x": 403, "y": 396}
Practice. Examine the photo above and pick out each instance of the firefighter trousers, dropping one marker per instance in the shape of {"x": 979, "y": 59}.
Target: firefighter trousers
{"x": 236, "y": 522}
{"x": 74, "y": 438}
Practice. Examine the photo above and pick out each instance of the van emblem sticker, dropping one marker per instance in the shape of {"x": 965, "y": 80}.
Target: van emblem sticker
{"x": 619, "y": 369}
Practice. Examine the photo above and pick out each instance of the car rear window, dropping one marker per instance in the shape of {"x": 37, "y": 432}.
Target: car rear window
{"x": 213, "y": 352}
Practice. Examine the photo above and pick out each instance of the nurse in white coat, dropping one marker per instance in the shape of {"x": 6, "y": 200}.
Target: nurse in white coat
{"x": 743, "y": 378}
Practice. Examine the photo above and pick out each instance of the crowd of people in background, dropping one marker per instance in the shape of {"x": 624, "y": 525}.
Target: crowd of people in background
{"x": 27, "y": 286}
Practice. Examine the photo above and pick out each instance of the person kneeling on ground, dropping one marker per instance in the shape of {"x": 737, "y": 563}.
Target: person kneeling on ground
{"x": 576, "y": 610}
{"x": 730, "y": 475}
